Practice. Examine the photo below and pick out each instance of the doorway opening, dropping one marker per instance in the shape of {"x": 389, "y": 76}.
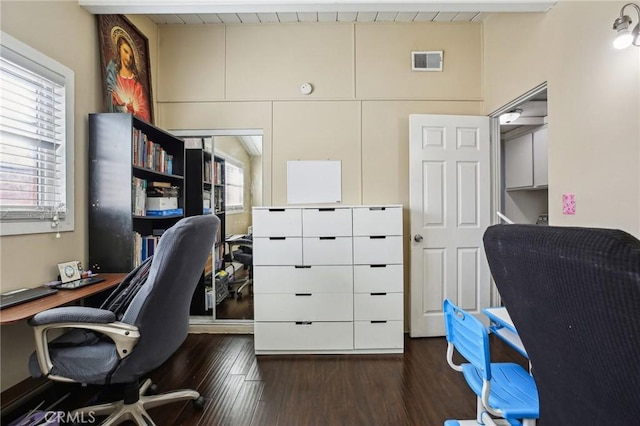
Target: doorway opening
{"x": 522, "y": 182}
{"x": 520, "y": 177}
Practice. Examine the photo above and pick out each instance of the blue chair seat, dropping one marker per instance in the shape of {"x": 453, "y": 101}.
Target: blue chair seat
{"x": 509, "y": 391}
{"x": 512, "y": 389}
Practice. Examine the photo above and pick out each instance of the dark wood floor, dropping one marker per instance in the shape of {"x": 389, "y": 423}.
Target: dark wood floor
{"x": 234, "y": 306}
{"x": 239, "y": 388}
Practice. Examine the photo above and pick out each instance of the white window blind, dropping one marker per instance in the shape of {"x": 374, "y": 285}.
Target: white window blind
{"x": 234, "y": 187}
{"x": 34, "y": 116}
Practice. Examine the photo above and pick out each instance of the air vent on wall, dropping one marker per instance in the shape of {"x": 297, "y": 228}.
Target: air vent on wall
{"x": 426, "y": 61}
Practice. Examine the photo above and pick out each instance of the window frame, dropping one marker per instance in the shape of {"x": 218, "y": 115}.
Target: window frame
{"x": 239, "y": 164}
{"x": 34, "y": 60}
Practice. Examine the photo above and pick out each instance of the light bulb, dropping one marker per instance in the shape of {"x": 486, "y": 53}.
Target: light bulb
{"x": 623, "y": 37}
{"x": 623, "y": 40}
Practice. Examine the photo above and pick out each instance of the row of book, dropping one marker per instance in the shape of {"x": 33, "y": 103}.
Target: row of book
{"x": 149, "y": 154}
{"x": 218, "y": 199}
{"x": 207, "y": 172}
{"x": 144, "y": 246}
{"x": 217, "y": 173}
{"x": 154, "y": 198}
{"x": 139, "y": 196}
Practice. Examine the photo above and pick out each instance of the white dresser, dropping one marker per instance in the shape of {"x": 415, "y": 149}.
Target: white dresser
{"x": 328, "y": 279}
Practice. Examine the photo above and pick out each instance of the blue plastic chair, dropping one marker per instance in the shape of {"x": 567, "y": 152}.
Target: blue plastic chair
{"x": 505, "y": 390}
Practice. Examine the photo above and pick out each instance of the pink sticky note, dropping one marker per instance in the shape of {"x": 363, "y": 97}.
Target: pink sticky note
{"x": 569, "y": 204}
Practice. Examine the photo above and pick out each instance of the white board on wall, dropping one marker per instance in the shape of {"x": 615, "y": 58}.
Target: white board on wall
{"x": 310, "y": 182}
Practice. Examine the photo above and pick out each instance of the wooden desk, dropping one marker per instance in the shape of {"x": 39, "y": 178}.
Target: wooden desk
{"x": 62, "y": 297}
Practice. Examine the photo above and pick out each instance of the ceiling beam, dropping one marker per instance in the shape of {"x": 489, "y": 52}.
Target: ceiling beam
{"x": 256, "y": 6}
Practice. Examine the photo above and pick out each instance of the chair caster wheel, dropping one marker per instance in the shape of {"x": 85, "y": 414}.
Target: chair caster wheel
{"x": 198, "y": 403}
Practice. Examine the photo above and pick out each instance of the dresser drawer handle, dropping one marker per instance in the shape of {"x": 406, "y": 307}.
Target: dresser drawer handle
{"x": 276, "y": 210}
{"x": 303, "y": 294}
{"x": 277, "y": 238}
{"x": 378, "y": 322}
{"x": 328, "y": 209}
{"x": 304, "y": 322}
{"x": 377, "y": 208}
{"x": 302, "y": 266}
{"x": 377, "y": 237}
{"x": 377, "y": 266}
{"x": 378, "y": 294}
{"x": 327, "y": 238}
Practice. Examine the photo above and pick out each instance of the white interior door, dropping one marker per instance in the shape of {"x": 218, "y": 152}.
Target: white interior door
{"x": 449, "y": 166}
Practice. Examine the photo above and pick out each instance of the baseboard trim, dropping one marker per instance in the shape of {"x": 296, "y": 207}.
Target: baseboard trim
{"x": 221, "y": 328}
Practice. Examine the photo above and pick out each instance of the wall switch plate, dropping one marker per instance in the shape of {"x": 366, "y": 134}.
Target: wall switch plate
{"x": 569, "y": 204}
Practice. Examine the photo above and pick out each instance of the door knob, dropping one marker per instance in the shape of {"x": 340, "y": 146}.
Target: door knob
{"x": 418, "y": 238}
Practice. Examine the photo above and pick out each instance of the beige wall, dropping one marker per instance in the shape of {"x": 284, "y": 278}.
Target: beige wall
{"x": 358, "y": 113}
{"x": 594, "y": 105}
{"x": 261, "y": 67}
{"x": 67, "y": 33}
{"x": 272, "y": 61}
{"x": 383, "y": 61}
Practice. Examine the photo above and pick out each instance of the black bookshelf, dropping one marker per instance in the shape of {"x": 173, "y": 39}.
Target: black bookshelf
{"x": 115, "y": 162}
{"x": 199, "y": 200}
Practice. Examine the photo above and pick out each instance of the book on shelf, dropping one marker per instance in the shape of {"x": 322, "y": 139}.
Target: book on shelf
{"x": 165, "y": 189}
{"x": 143, "y": 247}
{"x": 217, "y": 173}
{"x": 162, "y": 196}
{"x": 138, "y": 196}
{"x": 149, "y": 154}
{"x": 207, "y": 172}
{"x": 163, "y": 213}
{"x": 160, "y": 184}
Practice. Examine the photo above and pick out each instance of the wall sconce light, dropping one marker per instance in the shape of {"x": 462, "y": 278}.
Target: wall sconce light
{"x": 626, "y": 38}
{"x": 510, "y": 117}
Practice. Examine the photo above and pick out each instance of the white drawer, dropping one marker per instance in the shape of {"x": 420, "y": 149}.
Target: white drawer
{"x": 377, "y": 250}
{"x": 277, "y": 222}
{"x": 327, "y": 250}
{"x": 296, "y": 279}
{"x": 379, "y": 335}
{"x": 277, "y": 251}
{"x": 378, "y": 278}
{"x": 377, "y": 221}
{"x": 378, "y": 306}
{"x": 290, "y": 336}
{"x": 326, "y": 222}
{"x": 303, "y": 307}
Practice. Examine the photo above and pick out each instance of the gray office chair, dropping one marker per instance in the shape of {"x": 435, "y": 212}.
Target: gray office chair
{"x": 104, "y": 347}
{"x": 574, "y": 297}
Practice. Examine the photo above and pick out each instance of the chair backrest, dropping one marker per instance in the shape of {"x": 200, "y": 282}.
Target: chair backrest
{"x": 469, "y": 337}
{"x": 160, "y": 309}
{"x": 574, "y": 297}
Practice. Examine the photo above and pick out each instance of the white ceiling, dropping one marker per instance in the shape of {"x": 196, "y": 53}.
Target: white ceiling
{"x": 265, "y": 11}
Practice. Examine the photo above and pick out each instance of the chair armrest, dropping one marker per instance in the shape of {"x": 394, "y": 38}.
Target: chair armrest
{"x": 125, "y": 336}
{"x": 450, "y": 350}
{"x": 78, "y": 314}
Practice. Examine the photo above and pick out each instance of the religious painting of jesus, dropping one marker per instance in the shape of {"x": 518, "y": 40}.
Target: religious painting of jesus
{"x": 124, "y": 59}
